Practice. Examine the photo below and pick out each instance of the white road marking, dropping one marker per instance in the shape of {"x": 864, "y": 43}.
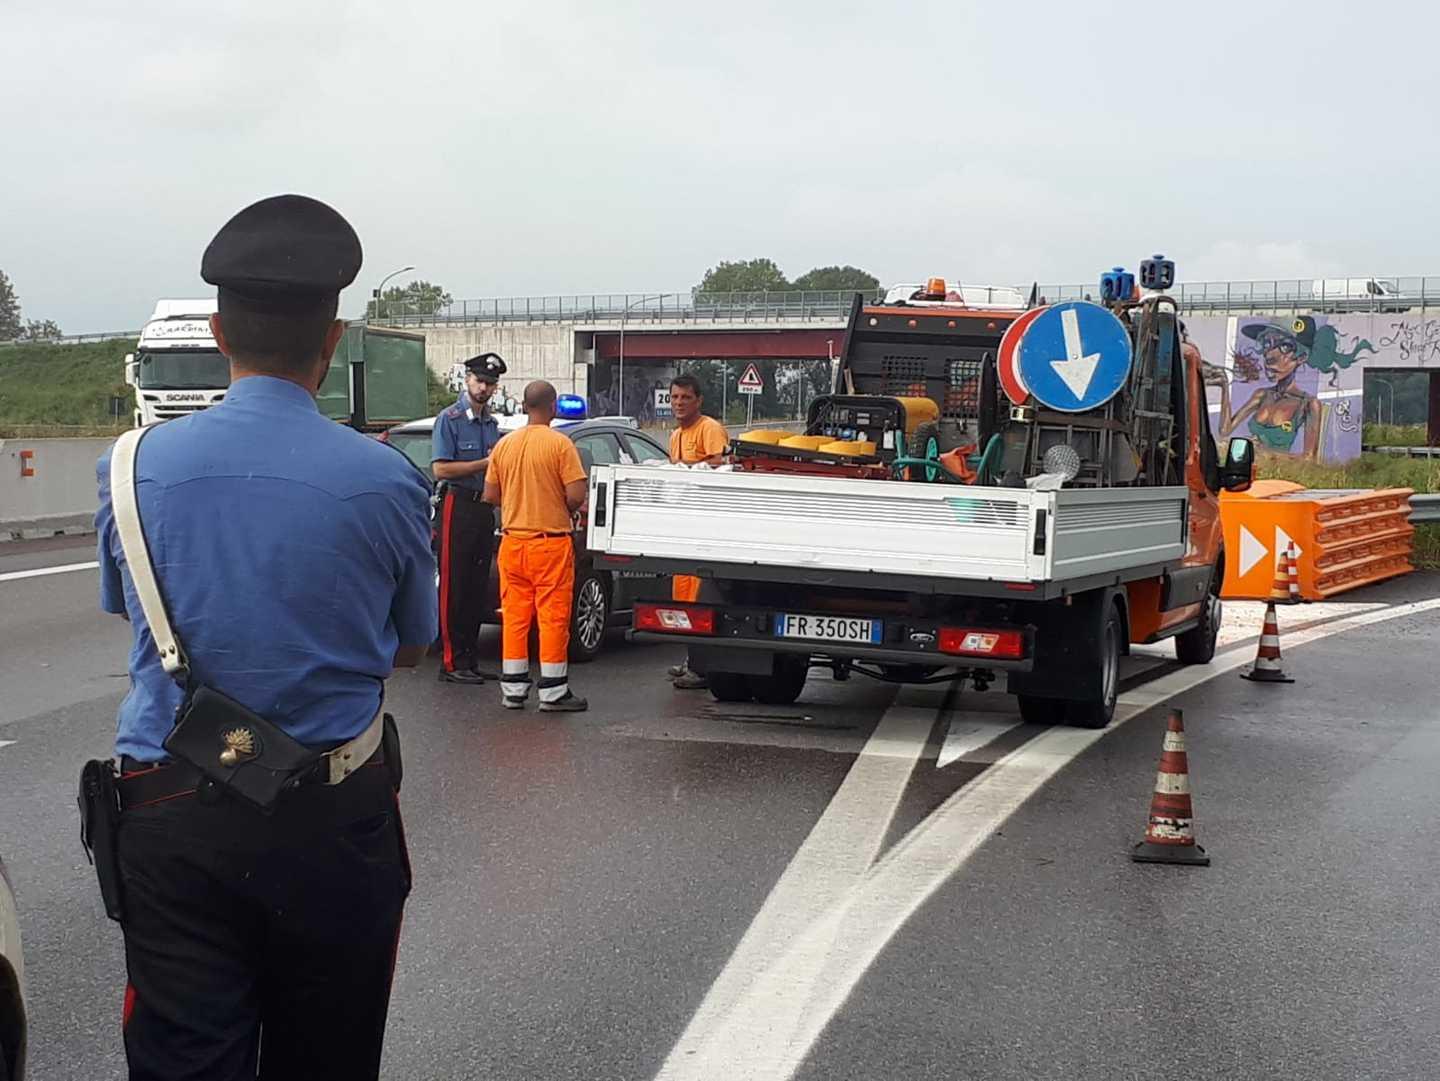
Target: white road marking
{"x": 40, "y": 572}
{"x": 6, "y": 743}
{"x": 839, "y": 850}
{"x": 969, "y": 731}
{"x": 795, "y": 968}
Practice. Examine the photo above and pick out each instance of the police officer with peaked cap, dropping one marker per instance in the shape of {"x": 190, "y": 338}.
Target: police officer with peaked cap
{"x": 293, "y": 557}
{"x": 462, "y": 440}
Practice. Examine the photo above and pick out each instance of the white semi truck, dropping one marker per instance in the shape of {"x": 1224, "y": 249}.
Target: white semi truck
{"x": 176, "y": 368}
{"x": 376, "y": 377}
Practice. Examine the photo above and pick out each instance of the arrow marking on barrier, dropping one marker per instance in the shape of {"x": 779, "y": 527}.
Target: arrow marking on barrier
{"x": 1252, "y": 551}
{"x": 1283, "y": 541}
{"x": 1077, "y": 370}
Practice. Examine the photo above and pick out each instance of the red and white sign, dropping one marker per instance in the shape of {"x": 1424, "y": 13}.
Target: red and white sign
{"x": 750, "y": 382}
{"x": 1007, "y": 360}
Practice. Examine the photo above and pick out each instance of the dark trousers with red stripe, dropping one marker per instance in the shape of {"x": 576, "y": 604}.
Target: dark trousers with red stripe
{"x": 467, "y": 543}
{"x": 262, "y": 946}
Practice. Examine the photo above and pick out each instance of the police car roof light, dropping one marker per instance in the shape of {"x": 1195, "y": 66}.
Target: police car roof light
{"x": 570, "y": 407}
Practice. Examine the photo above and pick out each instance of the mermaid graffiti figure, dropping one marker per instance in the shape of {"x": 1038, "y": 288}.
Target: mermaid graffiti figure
{"x": 1281, "y": 413}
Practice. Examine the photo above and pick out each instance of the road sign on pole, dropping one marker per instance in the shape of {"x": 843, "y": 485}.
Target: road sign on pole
{"x": 1074, "y": 356}
{"x": 750, "y": 382}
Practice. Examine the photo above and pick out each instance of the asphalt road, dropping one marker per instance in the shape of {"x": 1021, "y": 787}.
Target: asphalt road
{"x": 865, "y": 885}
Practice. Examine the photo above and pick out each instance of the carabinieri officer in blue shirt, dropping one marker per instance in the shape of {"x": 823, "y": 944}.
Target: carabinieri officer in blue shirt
{"x": 293, "y": 557}
{"x": 462, "y": 439}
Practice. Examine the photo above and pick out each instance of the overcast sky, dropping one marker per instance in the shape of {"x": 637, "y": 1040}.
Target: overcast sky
{"x": 515, "y": 149}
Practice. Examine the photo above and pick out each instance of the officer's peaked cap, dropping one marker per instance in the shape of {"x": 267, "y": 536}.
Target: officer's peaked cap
{"x": 489, "y": 366}
{"x": 288, "y": 248}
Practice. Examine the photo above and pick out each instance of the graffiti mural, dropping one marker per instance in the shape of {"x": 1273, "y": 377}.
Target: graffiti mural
{"x": 1295, "y": 383}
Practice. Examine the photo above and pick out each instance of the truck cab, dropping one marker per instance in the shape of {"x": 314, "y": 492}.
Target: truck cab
{"x": 939, "y": 521}
{"x": 176, "y": 368}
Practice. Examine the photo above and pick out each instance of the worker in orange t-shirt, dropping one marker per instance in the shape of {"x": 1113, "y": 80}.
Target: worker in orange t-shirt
{"x": 696, "y": 438}
{"x": 536, "y": 479}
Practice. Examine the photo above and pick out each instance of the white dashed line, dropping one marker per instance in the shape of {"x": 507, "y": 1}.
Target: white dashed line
{"x": 41, "y": 572}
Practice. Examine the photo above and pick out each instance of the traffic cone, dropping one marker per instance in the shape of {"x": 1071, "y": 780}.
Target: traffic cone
{"x": 1170, "y": 835}
{"x": 1266, "y": 668}
{"x": 1280, "y": 584}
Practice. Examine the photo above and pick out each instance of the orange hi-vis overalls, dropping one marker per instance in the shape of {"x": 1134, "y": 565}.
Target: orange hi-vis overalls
{"x": 703, "y": 439}
{"x": 532, "y": 466}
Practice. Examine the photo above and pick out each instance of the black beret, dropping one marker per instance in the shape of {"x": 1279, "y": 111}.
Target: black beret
{"x": 486, "y": 366}
{"x": 285, "y": 248}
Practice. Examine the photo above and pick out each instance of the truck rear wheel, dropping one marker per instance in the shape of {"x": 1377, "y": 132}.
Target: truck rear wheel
{"x": 1040, "y": 710}
{"x": 783, "y": 686}
{"x": 729, "y": 686}
{"x": 1096, "y": 713}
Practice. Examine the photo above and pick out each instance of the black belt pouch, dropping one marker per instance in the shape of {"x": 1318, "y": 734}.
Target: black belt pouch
{"x": 99, "y": 827}
{"x": 236, "y": 748}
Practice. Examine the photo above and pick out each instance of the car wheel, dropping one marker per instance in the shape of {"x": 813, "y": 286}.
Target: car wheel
{"x": 589, "y": 616}
{"x": 729, "y": 686}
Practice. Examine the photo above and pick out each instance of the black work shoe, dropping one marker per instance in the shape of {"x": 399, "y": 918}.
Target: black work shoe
{"x": 461, "y": 675}
{"x": 571, "y": 703}
{"x": 675, "y": 671}
{"x": 510, "y": 701}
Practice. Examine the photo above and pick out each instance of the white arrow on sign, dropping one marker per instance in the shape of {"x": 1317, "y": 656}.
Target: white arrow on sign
{"x": 1078, "y": 368}
{"x": 1253, "y": 549}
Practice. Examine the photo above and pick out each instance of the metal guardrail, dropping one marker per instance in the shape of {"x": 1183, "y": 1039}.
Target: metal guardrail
{"x": 1404, "y": 452}
{"x": 76, "y": 339}
{"x": 1425, "y": 508}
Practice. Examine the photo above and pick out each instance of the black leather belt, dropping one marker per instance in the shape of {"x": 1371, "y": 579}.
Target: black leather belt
{"x": 145, "y": 783}
{"x": 469, "y": 495}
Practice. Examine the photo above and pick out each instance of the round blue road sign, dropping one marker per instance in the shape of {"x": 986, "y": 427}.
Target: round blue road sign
{"x": 1075, "y": 356}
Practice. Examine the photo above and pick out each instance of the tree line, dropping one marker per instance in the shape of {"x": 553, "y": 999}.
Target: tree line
{"x": 13, "y": 326}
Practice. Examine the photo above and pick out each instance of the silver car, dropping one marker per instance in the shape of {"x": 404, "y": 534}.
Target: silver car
{"x": 12, "y": 981}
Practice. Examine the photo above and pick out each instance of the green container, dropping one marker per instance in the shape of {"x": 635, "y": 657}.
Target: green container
{"x": 387, "y": 367}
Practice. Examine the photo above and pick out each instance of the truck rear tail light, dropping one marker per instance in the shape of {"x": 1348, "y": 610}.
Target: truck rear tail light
{"x": 674, "y": 619}
{"x": 975, "y": 642}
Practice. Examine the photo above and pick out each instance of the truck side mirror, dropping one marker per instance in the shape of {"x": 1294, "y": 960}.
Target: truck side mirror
{"x": 129, "y": 369}
{"x": 1238, "y": 471}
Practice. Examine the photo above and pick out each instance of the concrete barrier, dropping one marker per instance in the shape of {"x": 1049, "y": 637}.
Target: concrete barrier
{"x": 47, "y": 486}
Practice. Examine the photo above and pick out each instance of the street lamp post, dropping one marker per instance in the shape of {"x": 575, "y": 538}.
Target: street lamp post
{"x": 380, "y": 292}
{"x": 1379, "y": 419}
{"x": 620, "y": 389}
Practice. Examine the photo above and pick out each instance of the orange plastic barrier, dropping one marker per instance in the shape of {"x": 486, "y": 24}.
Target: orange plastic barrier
{"x": 1347, "y": 539}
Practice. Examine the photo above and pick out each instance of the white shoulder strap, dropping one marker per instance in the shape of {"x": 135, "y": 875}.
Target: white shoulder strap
{"x": 137, "y": 553}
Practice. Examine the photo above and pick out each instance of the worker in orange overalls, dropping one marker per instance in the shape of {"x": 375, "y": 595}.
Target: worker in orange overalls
{"x": 696, "y": 438}
{"x": 536, "y": 479}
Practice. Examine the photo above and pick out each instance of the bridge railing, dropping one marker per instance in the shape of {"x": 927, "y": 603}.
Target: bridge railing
{"x": 606, "y": 308}
{"x": 1272, "y": 295}
{"x": 1287, "y": 295}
